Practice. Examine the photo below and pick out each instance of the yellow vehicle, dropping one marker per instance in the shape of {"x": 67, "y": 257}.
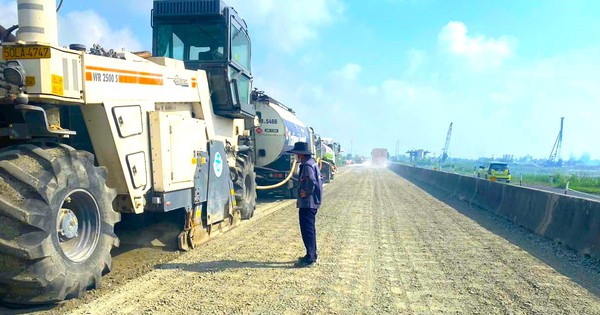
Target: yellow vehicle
{"x": 495, "y": 171}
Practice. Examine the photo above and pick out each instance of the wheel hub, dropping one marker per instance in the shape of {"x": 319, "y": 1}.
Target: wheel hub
{"x": 78, "y": 225}
{"x": 68, "y": 224}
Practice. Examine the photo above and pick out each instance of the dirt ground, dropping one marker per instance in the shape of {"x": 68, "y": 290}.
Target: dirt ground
{"x": 385, "y": 246}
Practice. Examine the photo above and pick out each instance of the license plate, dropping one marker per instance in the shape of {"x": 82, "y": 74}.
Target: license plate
{"x": 25, "y": 52}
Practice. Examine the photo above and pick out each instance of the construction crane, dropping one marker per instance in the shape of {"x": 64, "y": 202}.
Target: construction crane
{"x": 447, "y": 145}
{"x": 555, "y": 158}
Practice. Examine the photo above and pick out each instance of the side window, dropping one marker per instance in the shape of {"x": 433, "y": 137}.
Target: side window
{"x": 244, "y": 89}
{"x": 178, "y": 47}
{"x": 163, "y": 40}
{"x": 240, "y": 47}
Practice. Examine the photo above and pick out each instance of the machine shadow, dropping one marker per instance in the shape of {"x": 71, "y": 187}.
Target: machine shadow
{"x": 583, "y": 270}
{"x": 9, "y": 309}
{"x": 223, "y": 265}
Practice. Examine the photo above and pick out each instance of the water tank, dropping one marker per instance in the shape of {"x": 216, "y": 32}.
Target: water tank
{"x": 279, "y": 129}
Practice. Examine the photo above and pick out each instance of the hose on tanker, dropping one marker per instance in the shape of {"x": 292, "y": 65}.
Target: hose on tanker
{"x": 287, "y": 179}
{"x": 333, "y": 167}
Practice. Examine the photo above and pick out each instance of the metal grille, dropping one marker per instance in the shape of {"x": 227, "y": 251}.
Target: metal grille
{"x": 189, "y": 7}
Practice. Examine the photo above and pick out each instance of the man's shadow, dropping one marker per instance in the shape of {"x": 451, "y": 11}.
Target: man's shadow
{"x": 218, "y": 266}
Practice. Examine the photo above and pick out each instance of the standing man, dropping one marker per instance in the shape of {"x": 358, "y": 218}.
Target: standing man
{"x": 310, "y": 192}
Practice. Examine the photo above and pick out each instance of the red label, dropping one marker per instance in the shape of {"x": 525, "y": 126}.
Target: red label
{"x": 259, "y": 130}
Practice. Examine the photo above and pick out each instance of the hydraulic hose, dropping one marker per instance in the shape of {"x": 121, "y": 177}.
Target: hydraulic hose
{"x": 287, "y": 179}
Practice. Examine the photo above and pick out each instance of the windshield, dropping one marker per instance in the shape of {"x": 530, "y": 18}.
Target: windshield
{"x": 499, "y": 167}
{"x": 192, "y": 42}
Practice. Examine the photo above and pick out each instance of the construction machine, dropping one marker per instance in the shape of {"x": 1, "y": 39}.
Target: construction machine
{"x": 279, "y": 128}
{"x": 88, "y": 134}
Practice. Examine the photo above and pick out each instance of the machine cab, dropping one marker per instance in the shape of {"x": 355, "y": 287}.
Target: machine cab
{"x": 208, "y": 35}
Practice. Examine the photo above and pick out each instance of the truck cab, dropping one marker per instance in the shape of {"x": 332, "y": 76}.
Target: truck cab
{"x": 208, "y": 35}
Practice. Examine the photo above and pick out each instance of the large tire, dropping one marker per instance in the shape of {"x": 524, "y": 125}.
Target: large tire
{"x": 57, "y": 224}
{"x": 245, "y": 186}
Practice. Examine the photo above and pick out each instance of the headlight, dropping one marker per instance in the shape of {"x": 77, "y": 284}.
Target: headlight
{"x": 14, "y": 74}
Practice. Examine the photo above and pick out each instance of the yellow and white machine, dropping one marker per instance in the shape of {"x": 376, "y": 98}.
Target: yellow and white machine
{"x": 168, "y": 133}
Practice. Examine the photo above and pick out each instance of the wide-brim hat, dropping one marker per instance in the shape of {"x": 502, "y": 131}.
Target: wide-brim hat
{"x": 300, "y": 148}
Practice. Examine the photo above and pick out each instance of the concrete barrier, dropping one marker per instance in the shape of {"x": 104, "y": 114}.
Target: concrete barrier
{"x": 572, "y": 221}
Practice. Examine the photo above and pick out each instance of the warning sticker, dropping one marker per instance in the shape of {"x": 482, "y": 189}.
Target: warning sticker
{"x": 57, "y": 85}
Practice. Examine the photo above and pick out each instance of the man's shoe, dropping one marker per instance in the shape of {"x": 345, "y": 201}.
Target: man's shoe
{"x": 302, "y": 258}
{"x": 304, "y": 264}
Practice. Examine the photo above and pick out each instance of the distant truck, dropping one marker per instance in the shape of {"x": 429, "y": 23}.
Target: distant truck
{"x": 379, "y": 157}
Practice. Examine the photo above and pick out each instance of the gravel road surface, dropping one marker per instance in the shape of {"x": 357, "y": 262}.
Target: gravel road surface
{"x": 385, "y": 246}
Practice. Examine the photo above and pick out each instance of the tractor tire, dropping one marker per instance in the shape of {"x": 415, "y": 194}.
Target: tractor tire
{"x": 245, "y": 186}
{"x": 57, "y": 224}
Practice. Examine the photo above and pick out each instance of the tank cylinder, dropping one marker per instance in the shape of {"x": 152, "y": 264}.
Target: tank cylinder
{"x": 37, "y": 21}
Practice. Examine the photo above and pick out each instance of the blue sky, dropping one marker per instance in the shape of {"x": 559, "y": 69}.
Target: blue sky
{"x": 377, "y": 72}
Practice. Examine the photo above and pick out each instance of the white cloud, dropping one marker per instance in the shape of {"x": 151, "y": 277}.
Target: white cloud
{"x": 8, "y": 13}
{"x": 479, "y": 51}
{"x": 87, "y": 27}
{"x": 349, "y": 72}
{"x": 289, "y": 24}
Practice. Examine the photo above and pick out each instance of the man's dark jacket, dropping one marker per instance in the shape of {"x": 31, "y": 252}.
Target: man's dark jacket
{"x": 311, "y": 183}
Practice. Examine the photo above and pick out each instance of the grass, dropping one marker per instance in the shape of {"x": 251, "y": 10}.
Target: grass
{"x": 586, "y": 184}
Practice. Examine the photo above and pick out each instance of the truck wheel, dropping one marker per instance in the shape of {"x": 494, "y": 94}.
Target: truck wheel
{"x": 57, "y": 224}
{"x": 245, "y": 187}
{"x": 327, "y": 174}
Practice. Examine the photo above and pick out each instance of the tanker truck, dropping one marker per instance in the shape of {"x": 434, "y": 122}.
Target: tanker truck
{"x": 88, "y": 134}
{"x": 279, "y": 128}
{"x": 331, "y": 152}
